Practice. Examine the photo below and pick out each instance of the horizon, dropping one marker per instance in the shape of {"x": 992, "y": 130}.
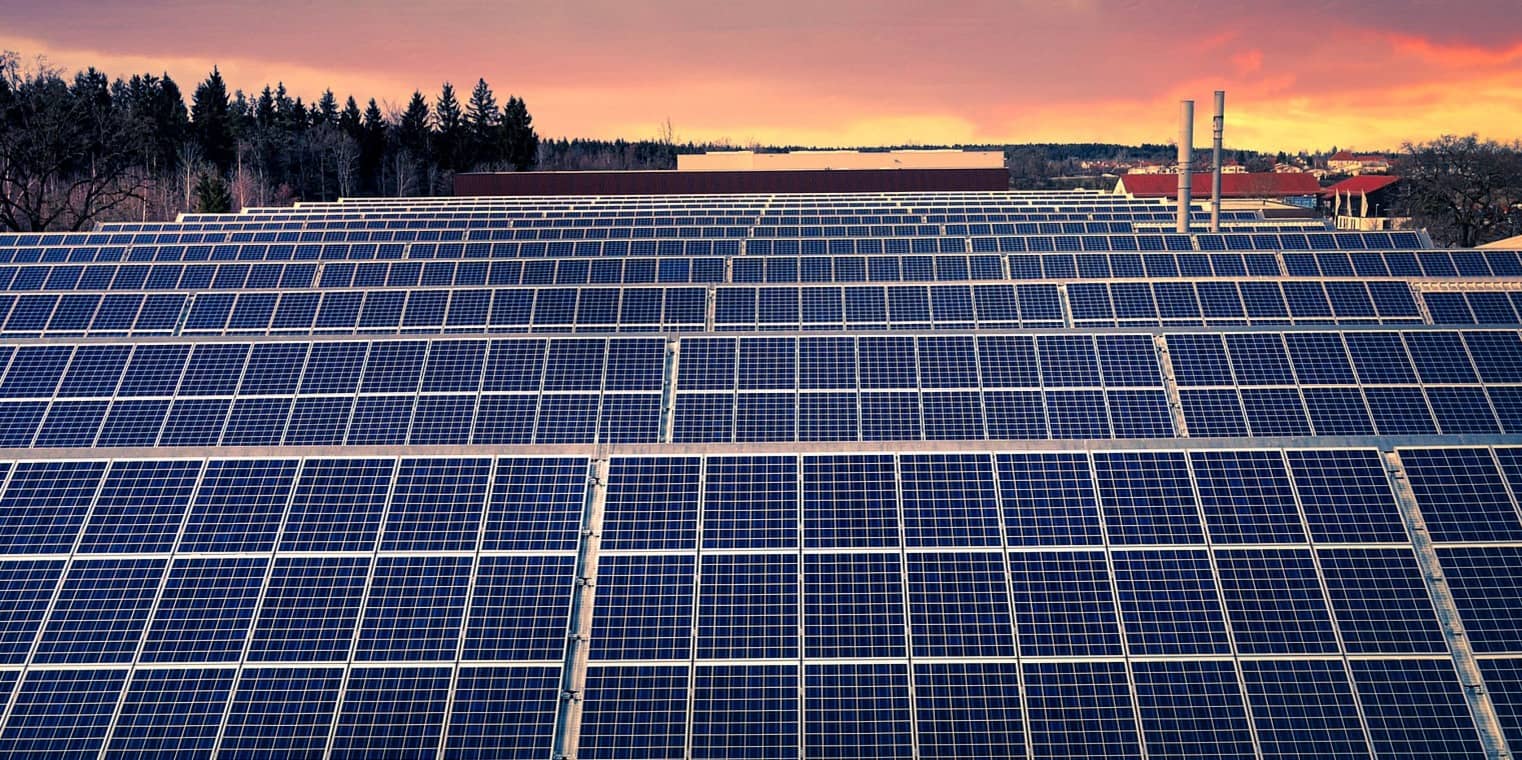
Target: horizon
{"x": 855, "y": 74}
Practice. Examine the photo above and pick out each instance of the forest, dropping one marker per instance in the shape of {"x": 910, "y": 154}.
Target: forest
{"x": 76, "y": 151}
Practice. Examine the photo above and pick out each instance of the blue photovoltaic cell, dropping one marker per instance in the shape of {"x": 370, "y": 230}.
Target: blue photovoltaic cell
{"x": 1487, "y": 589}
{"x": 239, "y": 505}
{"x": 634, "y": 712}
{"x": 45, "y": 504}
{"x": 101, "y": 609}
{"x": 1246, "y": 496}
{"x": 850, "y": 501}
{"x": 853, "y": 605}
{"x": 1304, "y": 708}
{"x": 1063, "y": 604}
{"x": 536, "y": 504}
{"x": 652, "y": 503}
{"x": 857, "y": 710}
{"x": 1415, "y": 708}
{"x": 379, "y": 420}
{"x": 281, "y": 712}
{"x": 1048, "y": 499}
{"x": 1461, "y": 495}
{"x": 204, "y": 612}
{"x": 1381, "y": 602}
{"x": 506, "y": 713}
{"x": 1274, "y": 602}
{"x": 1169, "y": 603}
{"x": 644, "y": 608}
{"x": 26, "y": 589}
{"x": 949, "y": 500}
{"x": 395, "y": 711}
{"x": 61, "y": 713}
{"x": 1503, "y": 679}
{"x": 1346, "y": 495}
{"x": 750, "y": 502}
{"x": 745, "y": 711}
{"x": 436, "y": 504}
{"x": 337, "y": 505}
{"x": 959, "y": 605}
{"x": 748, "y": 607}
{"x": 309, "y": 609}
{"x": 1147, "y": 498}
{"x": 519, "y": 608}
{"x": 413, "y": 608}
{"x": 140, "y": 507}
{"x": 968, "y": 710}
{"x": 1192, "y": 709}
{"x": 171, "y": 712}
{"x": 1081, "y": 710}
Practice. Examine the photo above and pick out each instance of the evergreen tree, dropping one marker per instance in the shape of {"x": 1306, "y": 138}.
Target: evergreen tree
{"x": 449, "y": 133}
{"x": 520, "y": 141}
{"x": 350, "y": 120}
{"x": 211, "y": 123}
{"x": 326, "y": 109}
{"x": 413, "y": 137}
{"x": 372, "y": 149}
{"x": 212, "y": 196}
{"x": 484, "y": 123}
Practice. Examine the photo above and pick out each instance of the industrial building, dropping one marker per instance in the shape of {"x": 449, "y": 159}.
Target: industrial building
{"x": 881, "y": 475}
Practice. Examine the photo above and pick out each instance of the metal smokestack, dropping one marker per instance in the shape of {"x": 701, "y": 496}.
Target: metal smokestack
{"x": 1217, "y": 125}
{"x": 1185, "y": 162}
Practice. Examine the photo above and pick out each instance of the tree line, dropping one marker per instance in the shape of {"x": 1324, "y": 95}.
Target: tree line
{"x": 1464, "y": 191}
{"x": 77, "y": 151}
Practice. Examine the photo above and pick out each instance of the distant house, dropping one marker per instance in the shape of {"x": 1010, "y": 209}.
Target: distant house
{"x": 1346, "y": 162}
{"x": 1363, "y": 203}
{"x": 1295, "y": 189}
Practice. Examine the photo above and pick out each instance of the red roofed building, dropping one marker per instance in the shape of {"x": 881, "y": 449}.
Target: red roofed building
{"x": 1296, "y": 189}
{"x": 1363, "y": 202}
{"x": 1346, "y": 162}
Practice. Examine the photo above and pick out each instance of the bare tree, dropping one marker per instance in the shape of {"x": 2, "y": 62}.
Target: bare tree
{"x": 67, "y": 158}
{"x": 1464, "y": 191}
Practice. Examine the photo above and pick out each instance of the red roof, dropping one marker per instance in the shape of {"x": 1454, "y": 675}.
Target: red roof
{"x": 1364, "y": 183}
{"x": 1346, "y": 155}
{"x": 1255, "y": 185}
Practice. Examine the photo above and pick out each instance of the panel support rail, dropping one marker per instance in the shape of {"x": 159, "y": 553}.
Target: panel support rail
{"x": 573, "y": 676}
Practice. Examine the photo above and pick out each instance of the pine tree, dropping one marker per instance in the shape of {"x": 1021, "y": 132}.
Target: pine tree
{"x": 212, "y": 196}
{"x": 520, "y": 141}
{"x": 484, "y": 122}
{"x": 449, "y": 133}
{"x": 414, "y": 138}
{"x": 211, "y": 123}
{"x": 350, "y": 120}
{"x": 326, "y": 109}
{"x": 372, "y": 148}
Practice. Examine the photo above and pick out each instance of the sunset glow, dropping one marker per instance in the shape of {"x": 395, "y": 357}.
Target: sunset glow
{"x": 1366, "y": 75}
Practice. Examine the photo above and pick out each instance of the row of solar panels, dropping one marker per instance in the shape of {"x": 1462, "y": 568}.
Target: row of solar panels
{"x": 1384, "y": 708}
{"x": 580, "y": 391}
{"x": 424, "y": 267}
{"x": 756, "y": 416}
{"x": 558, "y": 229}
{"x": 1099, "y": 219}
{"x": 936, "y": 524}
{"x": 894, "y": 362}
{"x": 685, "y": 309}
{"x": 917, "y": 242}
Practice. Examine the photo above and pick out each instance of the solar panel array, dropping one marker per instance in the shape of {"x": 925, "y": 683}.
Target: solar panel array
{"x": 971, "y": 475}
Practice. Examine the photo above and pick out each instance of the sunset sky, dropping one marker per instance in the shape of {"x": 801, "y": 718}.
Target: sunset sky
{"x": 1298, "y": 74}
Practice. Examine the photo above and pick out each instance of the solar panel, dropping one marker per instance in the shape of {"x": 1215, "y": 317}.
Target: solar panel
{"x": 859, "y": 475}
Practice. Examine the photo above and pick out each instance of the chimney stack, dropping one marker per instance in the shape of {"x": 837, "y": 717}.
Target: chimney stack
{"x": 1218, "y": 124}
{"x": 1185, "y": 162}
